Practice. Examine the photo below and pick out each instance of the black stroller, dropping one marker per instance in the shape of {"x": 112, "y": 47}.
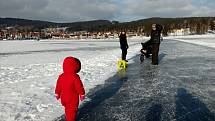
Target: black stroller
{"x": 146, "y": 50}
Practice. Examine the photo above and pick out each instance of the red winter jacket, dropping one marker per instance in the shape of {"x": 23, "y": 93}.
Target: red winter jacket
{"x": 69, "y": 85}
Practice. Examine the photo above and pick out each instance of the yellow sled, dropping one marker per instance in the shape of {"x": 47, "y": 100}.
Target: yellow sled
{"x": 121, "y": 64}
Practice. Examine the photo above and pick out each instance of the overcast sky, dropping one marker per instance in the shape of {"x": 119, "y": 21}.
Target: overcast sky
{"x": 121, "y": 10}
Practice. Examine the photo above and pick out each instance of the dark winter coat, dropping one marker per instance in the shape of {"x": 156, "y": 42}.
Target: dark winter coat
{"x": 123, "y": 42}
{"x": 69, "y": 85}
{"x": 155, "y": 34}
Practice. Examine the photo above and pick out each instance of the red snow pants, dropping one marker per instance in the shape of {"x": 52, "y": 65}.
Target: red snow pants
{"x": 70, "y": 113}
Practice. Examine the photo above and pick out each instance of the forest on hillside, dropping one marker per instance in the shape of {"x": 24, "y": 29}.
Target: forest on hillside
{"x": 197, "y": 25}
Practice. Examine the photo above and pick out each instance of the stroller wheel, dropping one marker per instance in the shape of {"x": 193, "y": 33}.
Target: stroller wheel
{"x": 142, "y": 57}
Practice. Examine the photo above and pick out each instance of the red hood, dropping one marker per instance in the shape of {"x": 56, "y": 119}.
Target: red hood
{"x": 71, "y": 65}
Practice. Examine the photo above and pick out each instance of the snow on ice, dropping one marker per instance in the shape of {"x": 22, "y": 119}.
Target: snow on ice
{"x": 207, "y": 40}
{"x": 29, "y": 70}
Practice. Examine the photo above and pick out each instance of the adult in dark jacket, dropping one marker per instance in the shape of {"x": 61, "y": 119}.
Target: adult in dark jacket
{"x": 155, "y": 41}
{"x": 123, "y": 44}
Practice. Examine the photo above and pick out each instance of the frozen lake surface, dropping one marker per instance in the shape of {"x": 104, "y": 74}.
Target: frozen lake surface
{"x": 29, "y": 69}
{"x": 181, "y": 88}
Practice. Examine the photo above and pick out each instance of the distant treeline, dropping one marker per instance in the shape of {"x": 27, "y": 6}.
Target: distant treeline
{"x": 37, "y": 25}
{"x": 197, "y": 25}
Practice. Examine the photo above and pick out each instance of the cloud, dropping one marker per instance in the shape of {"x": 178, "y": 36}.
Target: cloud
{"x": 155, "y": 8}
{"x": 123, "y": 10}
{"x": 58, "y": 10}
{"x": 167, "y": 8}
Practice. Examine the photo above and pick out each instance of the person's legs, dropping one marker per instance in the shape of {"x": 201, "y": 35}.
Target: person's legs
{"x": 124, "y": 53}
{"x": 155, "y": 51}
{"x": 70, "y": 114}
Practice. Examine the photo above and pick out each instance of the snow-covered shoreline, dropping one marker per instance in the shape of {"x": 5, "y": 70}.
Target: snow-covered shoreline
{"x": 207, "y": 40}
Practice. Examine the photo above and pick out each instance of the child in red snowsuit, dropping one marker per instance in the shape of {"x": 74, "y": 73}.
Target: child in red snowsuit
{"x": 69, "y": 87}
